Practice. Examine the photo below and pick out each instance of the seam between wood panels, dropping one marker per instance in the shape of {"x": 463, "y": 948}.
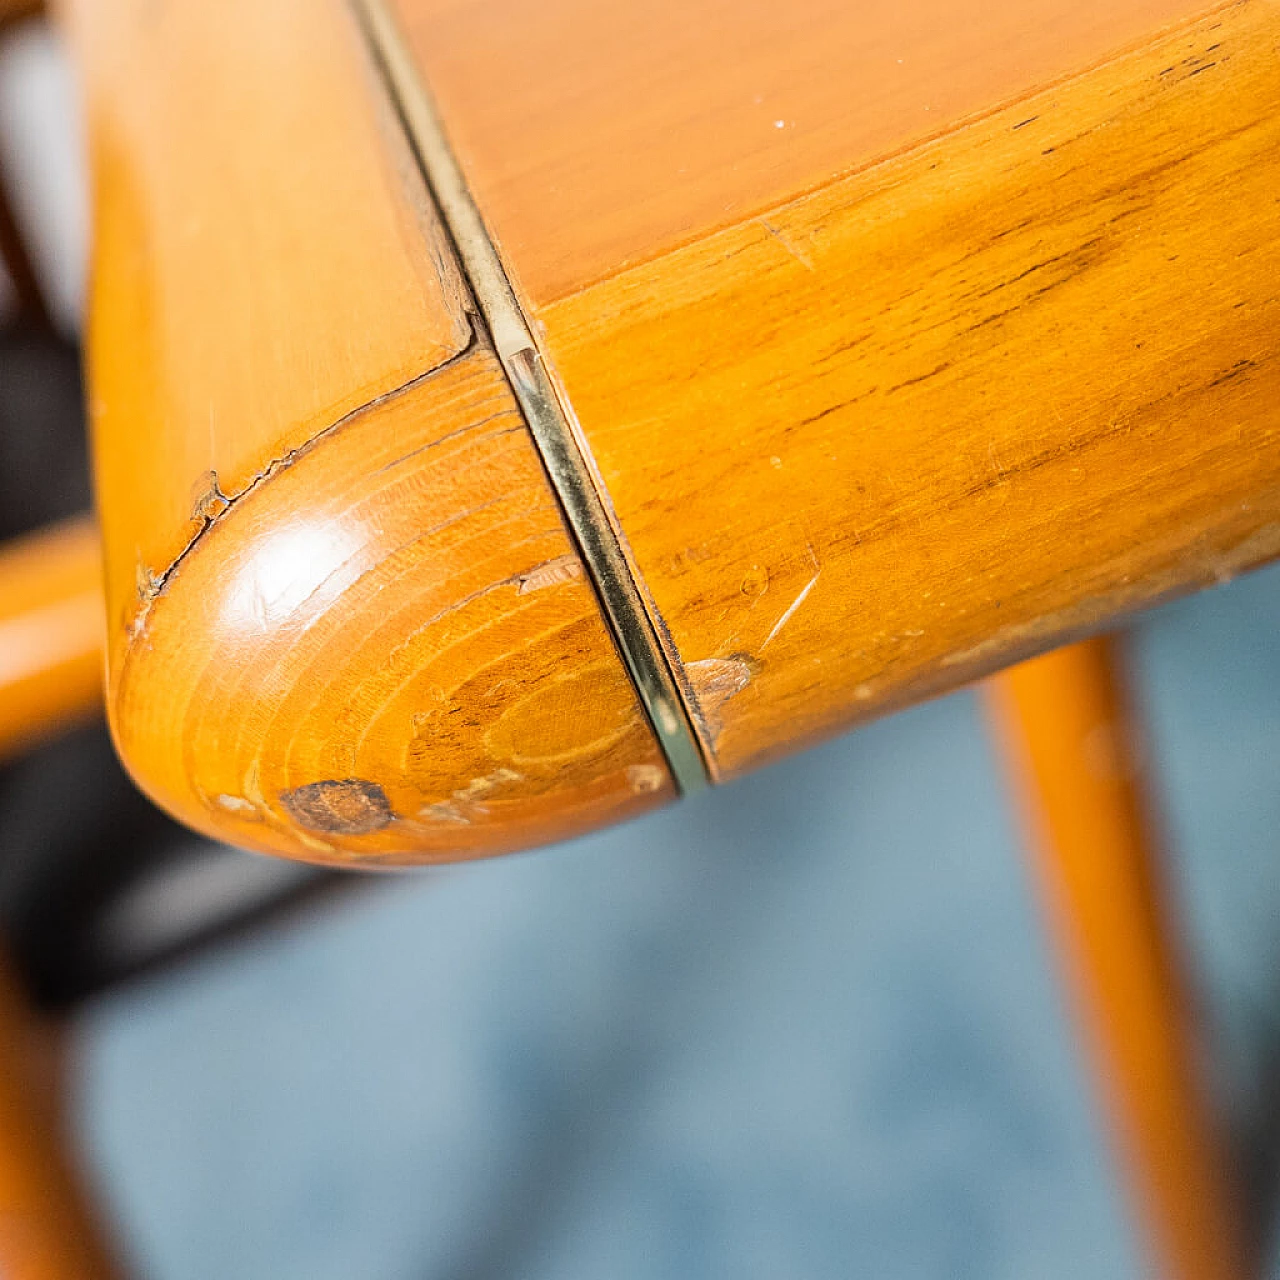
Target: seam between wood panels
{"x": 563, "y": 454}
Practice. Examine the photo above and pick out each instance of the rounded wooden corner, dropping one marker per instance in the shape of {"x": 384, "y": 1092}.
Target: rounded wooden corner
{"x": 385, "y": 650}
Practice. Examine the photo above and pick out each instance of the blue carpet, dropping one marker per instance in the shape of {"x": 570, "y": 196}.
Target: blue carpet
{"x": 805, "y": 1026}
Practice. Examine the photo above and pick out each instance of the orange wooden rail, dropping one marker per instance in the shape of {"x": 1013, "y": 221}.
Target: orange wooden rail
{"x": 51, "y": 632}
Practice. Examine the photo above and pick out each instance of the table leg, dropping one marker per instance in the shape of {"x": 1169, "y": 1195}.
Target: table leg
{"x": 1070, "y": 750}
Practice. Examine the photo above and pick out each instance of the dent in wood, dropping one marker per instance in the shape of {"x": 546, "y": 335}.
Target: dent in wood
{"x": 714, "y": 681}
{"x": 645, "y": 778}
{"x": 563, "y": 569}
{"x": 210, "y": 501}
{"x": 347, "y": 806}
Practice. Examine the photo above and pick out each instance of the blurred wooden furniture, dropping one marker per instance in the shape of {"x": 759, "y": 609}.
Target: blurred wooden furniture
{"x": 47, "y": 1231}
{"x": 16, "y": 10}
{"x": 51, "y": 632}
{"x": 508, "y": 416}
{"x": 1074, "y": 764}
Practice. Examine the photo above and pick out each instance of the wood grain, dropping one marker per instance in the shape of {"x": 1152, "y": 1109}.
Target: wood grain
{"x": 957, "y": 408}
{"x": 1070, "y": 749}
{"x": 51, "y": 632}
{"x": 265, "y": 259}
{"x": 596, "y": 136}
{"x": 346, "y": 622}
{"x": 923, "y": 417}
{"x": 388, "y": 652}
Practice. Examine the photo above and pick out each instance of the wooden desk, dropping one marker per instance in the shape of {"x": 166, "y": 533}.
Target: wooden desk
{"x": 898, "y": 347}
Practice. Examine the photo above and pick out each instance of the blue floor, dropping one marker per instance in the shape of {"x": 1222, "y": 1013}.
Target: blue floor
{"x": 805, "y": 1026}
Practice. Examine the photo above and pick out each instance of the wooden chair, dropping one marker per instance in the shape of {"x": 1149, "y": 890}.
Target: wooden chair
{"x": 509, "y": 417}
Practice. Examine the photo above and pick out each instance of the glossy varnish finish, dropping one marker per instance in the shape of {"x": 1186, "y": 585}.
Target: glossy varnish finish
{"x": 397, "y": 653}
{"x": 51, "y": 632}
{"x": 934, "y": 415}
{"x": 346, "y": 620}
{"x": 264, "y": 260}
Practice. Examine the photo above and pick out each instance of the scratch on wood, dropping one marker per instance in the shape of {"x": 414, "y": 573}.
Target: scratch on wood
{"x": 789, "y": 612}
{"x": 463, "y": 430}
{"x": 464, "y": 805}
{"x": 562, "y": 569}
{"x": 791, "y": 608}
{"x": 802, "y": 258}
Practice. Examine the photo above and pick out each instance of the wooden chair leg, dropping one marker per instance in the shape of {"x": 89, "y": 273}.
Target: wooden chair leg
{"x": 46, "y": 1229}
{"x": 1071, "y": 753}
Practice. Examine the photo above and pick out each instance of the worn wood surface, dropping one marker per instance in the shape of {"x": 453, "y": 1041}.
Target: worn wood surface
{"x": 51, "y": 632}
{"x": 935, "y": 413}
{"x": 389, "y": 651}
{"x": 1071, "y": 752}
{"x": 345, "y": 620}
{"x": 947, "y": 396}
{"x": 599, "y": 135}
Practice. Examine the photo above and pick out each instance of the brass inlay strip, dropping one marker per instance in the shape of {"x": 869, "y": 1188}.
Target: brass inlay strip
{"x": 633, "y": 629}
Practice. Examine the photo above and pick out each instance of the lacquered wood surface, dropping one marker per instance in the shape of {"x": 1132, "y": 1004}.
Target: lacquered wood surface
{"x": 598, "y": 135}
{"x": 346, "y": 620}
{"x": 1071, "y": 754}
{"x": 940, "y": 412}
{"x": 923, "y": 417}
{"x": 264, "y": 257}
{"x": 389, "y": 651}
{"x": 51, "y": 632}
